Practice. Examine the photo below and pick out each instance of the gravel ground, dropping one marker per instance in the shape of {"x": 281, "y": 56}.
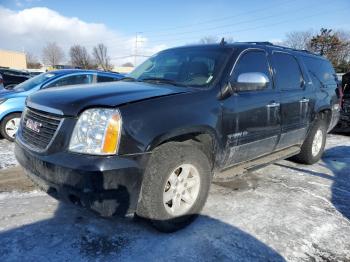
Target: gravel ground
{"x": 282, "y": 212}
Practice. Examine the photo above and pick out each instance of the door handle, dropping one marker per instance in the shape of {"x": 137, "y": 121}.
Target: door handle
{"x": 274, "y": 104}
{"x": 304, "y": 100}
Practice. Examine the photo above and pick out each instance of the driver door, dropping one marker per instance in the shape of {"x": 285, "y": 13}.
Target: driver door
{"x": 251, "y": 119}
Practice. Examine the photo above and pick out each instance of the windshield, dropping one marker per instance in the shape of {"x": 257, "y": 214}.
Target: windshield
{"x": 34, "y": 81}
{"x": 190, "y": 66}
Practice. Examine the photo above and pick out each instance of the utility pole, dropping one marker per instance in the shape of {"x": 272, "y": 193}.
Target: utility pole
{"x": 136, "y": 46}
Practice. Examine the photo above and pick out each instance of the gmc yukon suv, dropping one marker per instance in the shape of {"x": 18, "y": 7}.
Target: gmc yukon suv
{"x": 150, "y": 143}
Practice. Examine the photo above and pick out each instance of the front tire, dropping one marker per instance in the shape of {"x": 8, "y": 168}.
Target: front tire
{"x": 313, "y": 147}
{"x": 175, "y": 186}
{"x": 9, "y": 126}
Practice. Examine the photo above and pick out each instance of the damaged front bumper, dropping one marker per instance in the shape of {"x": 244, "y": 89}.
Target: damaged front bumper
{"x": 108, "y": 185}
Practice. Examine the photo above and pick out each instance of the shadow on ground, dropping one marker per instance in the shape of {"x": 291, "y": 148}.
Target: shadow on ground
{"x": 76, "y": 234}
{"x": 336, "y": 159}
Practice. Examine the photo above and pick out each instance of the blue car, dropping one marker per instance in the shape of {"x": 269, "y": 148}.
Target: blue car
{"x": 12, "y": 101}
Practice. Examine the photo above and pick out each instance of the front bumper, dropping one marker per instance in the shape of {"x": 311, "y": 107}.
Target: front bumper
{"x": 108, "y": 185}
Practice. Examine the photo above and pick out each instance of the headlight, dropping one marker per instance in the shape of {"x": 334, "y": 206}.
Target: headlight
{"x": 97, "y": 132}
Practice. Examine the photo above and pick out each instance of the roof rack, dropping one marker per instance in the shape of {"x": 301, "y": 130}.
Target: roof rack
{"x": 259, "y": 43}
{"x": 281, "y": 47}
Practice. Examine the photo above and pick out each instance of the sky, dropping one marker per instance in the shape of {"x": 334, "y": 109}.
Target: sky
{"x": 28, "y": 25}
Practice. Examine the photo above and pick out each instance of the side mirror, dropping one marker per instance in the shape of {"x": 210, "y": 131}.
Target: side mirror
{"x": 250, "y": 82}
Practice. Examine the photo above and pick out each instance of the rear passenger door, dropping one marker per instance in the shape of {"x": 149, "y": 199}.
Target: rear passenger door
{"x": 251, "y": 120}
{"x": 295, "y": 98}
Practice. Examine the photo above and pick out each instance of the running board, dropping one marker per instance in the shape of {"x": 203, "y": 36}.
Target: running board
{"x": 255, "y": 164}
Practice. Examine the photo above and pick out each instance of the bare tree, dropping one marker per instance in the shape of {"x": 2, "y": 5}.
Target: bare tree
{"x": 79, "y": 57}
{"x": 52, "y": 54}
{"x": 209, "y": 40}
{"x": 299, "y": 39}
{"x": 344, "y": 53}
{"x": 32, "y": 61}
{"x": 101, "y": 56}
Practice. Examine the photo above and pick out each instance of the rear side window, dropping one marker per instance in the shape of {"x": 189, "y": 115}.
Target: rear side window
{"x": 320, "y": 71}
{"x": 101, "y": 79}
{"x": 252, "y": 62}
{"x": 72, "y": 80}
{"x": 287, "y": 70}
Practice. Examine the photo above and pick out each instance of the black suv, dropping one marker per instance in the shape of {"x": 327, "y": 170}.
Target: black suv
{"x": 150, "y": 143}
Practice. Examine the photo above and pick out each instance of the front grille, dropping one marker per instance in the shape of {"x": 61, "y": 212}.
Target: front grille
{"x": 41, "y": 138}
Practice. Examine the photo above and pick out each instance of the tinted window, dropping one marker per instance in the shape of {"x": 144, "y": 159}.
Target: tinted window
{"x": 288, "y": 74}
{"x": 320, "y": 71}
{"x": 35, "y": 81}
{"x": 101, "y": 79}
{"x": 251, "y": 62}
{"x": 72, "y": 80}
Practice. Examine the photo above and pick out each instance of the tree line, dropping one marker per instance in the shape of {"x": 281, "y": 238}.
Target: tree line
{"x": 79, "y": 57}
{"x": 335, "y": 45}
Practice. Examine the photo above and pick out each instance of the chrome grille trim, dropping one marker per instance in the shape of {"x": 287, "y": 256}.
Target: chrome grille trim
{"x": 39, "y": 141}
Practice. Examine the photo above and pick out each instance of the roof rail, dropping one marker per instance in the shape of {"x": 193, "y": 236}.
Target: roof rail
{"x": 282, "y": 47}
{"x": 259, "y": 43}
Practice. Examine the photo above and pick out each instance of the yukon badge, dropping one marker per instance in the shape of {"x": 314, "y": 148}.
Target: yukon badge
{"x": 33, "y": 125}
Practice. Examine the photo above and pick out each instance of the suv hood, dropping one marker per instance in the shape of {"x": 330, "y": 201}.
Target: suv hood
{"x": 70, "y": 101}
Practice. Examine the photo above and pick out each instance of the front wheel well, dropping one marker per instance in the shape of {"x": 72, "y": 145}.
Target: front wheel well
{"x": 10, "y": 113}
{"x": 326, "y": 115}
{"x": 203, "y": 141}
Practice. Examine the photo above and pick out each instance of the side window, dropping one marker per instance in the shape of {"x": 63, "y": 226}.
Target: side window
{"x": 288, "y": 73}
{"x": 72, "y": 80}
{"x": 320, "y": 70}
{"x": 101, "y": 79}
{"x": 252, "y": 62}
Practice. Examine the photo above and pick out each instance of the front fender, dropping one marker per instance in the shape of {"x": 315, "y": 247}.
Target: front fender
{"x": 12, "y": 105}
{"x": 149, "y": 123}
{"x": 179, "y": 132}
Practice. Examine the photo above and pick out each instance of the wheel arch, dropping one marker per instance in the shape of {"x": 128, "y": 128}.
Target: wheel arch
{"x": 6, "y": 114}
{"x": 204, "y": 137}
{"x": 324, "y": 113}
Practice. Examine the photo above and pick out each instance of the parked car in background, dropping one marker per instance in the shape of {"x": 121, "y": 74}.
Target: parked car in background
{"x": 12, "y": 101}
{"x": 344, "y": 122}
{"x": 12, "y": 77}
{"x": 151, "y": 142}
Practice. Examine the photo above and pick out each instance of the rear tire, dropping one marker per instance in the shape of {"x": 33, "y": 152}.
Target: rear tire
{"x": 313, "y": 147}
{"x": 175, "y": 186}
{"x": 9, "y": 126}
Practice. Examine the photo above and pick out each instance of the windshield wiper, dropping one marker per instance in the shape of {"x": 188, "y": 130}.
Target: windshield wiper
{"x": 161, "y": 80}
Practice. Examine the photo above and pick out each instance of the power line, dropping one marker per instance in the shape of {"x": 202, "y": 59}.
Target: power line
{"x": 221, "y": 18}
{"x": 235, "y": 24}
{"x": 256, "y": 27}
{"x": 120, "y": 38}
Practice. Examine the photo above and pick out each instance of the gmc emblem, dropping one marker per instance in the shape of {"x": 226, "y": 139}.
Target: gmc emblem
{"x": 33, "y": 125}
